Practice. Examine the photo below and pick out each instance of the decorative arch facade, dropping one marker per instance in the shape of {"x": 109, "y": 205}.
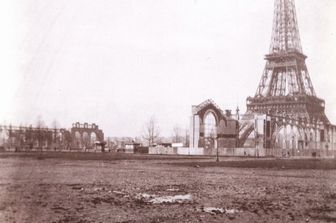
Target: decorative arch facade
{"x": 302, "y": 138}
{"x": 85, "y": 135}
{"x": 211, "y": 128}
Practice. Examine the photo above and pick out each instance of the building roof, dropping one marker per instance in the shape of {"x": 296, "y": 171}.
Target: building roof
{"x": 197, "y": 108}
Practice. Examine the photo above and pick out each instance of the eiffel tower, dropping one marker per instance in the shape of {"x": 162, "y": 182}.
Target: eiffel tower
{"x": 285, "y": 88}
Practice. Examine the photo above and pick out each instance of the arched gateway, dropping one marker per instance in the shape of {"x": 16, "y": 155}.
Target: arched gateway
{"x": 211, "y": 129}
{"x": 86, "y": 135}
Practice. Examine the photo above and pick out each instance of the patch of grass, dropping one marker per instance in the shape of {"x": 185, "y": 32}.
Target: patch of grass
{"x": 192, "y": 161}
{"x": 93, "y": 156}
{"x": 324, "y": 164}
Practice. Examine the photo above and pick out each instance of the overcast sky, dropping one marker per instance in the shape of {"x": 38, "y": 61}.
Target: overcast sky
{"x": 117, "y": 62}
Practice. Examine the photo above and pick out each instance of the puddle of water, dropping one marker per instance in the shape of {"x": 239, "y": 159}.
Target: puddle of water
{"x": 144, "y": 196}
{"x": 155, "y": 199}
{"x": 171, "y": 199}
{"x": 213, "y": 210}
{"x": 118, "y": 192}
{"x": 231, "y": 211}
{"x": 172, "y": 189}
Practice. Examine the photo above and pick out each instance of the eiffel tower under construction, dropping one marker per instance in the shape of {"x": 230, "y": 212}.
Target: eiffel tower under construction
{"x": 285, "y": 88}
{"x": 284, "y": 117}
{"x": 286, "y": 94}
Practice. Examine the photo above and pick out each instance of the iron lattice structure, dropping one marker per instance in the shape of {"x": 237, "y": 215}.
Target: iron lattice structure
{"x": 285, "y": 88}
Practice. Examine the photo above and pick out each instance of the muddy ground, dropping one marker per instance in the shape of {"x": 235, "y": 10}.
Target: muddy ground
{"x": 126, "y": 188}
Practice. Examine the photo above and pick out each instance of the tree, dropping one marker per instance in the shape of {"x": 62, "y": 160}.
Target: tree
{"x": 177, "y": 134}
{"x": 56, "y": 138}
{"x": 40, "y": 124}
{"x": 30, "y": 137}
{"x": 67, "y": 139}
{"x": 151, "y": 132}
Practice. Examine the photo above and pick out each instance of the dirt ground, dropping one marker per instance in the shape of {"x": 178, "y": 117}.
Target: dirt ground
{"x": 117, "y": 188}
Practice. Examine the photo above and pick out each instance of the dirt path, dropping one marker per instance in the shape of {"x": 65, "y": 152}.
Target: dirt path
{"x": 61, "y": 190}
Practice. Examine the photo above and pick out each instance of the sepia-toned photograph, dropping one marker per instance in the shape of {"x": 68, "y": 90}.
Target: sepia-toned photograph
{"x": 145, "y": 111}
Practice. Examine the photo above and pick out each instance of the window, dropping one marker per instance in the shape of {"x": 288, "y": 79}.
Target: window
{"x": 210, "y": 125}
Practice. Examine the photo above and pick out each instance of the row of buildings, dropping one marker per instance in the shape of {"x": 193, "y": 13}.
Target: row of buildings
{"x": 78, "y": 137}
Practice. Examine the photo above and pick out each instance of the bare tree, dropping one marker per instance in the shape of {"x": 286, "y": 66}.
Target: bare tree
{"x": 55, "y": 124}
{"x": 67, "y": 140}
{"x": 56, "y": 135}
{"x": 40, "y": 124}
{"x": 30, "y": 137}
{"x": 176, "y": 134}
{"x": 151, "y": 132}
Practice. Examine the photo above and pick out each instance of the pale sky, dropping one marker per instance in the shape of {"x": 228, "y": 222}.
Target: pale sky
{"x": 117, "y": 62}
